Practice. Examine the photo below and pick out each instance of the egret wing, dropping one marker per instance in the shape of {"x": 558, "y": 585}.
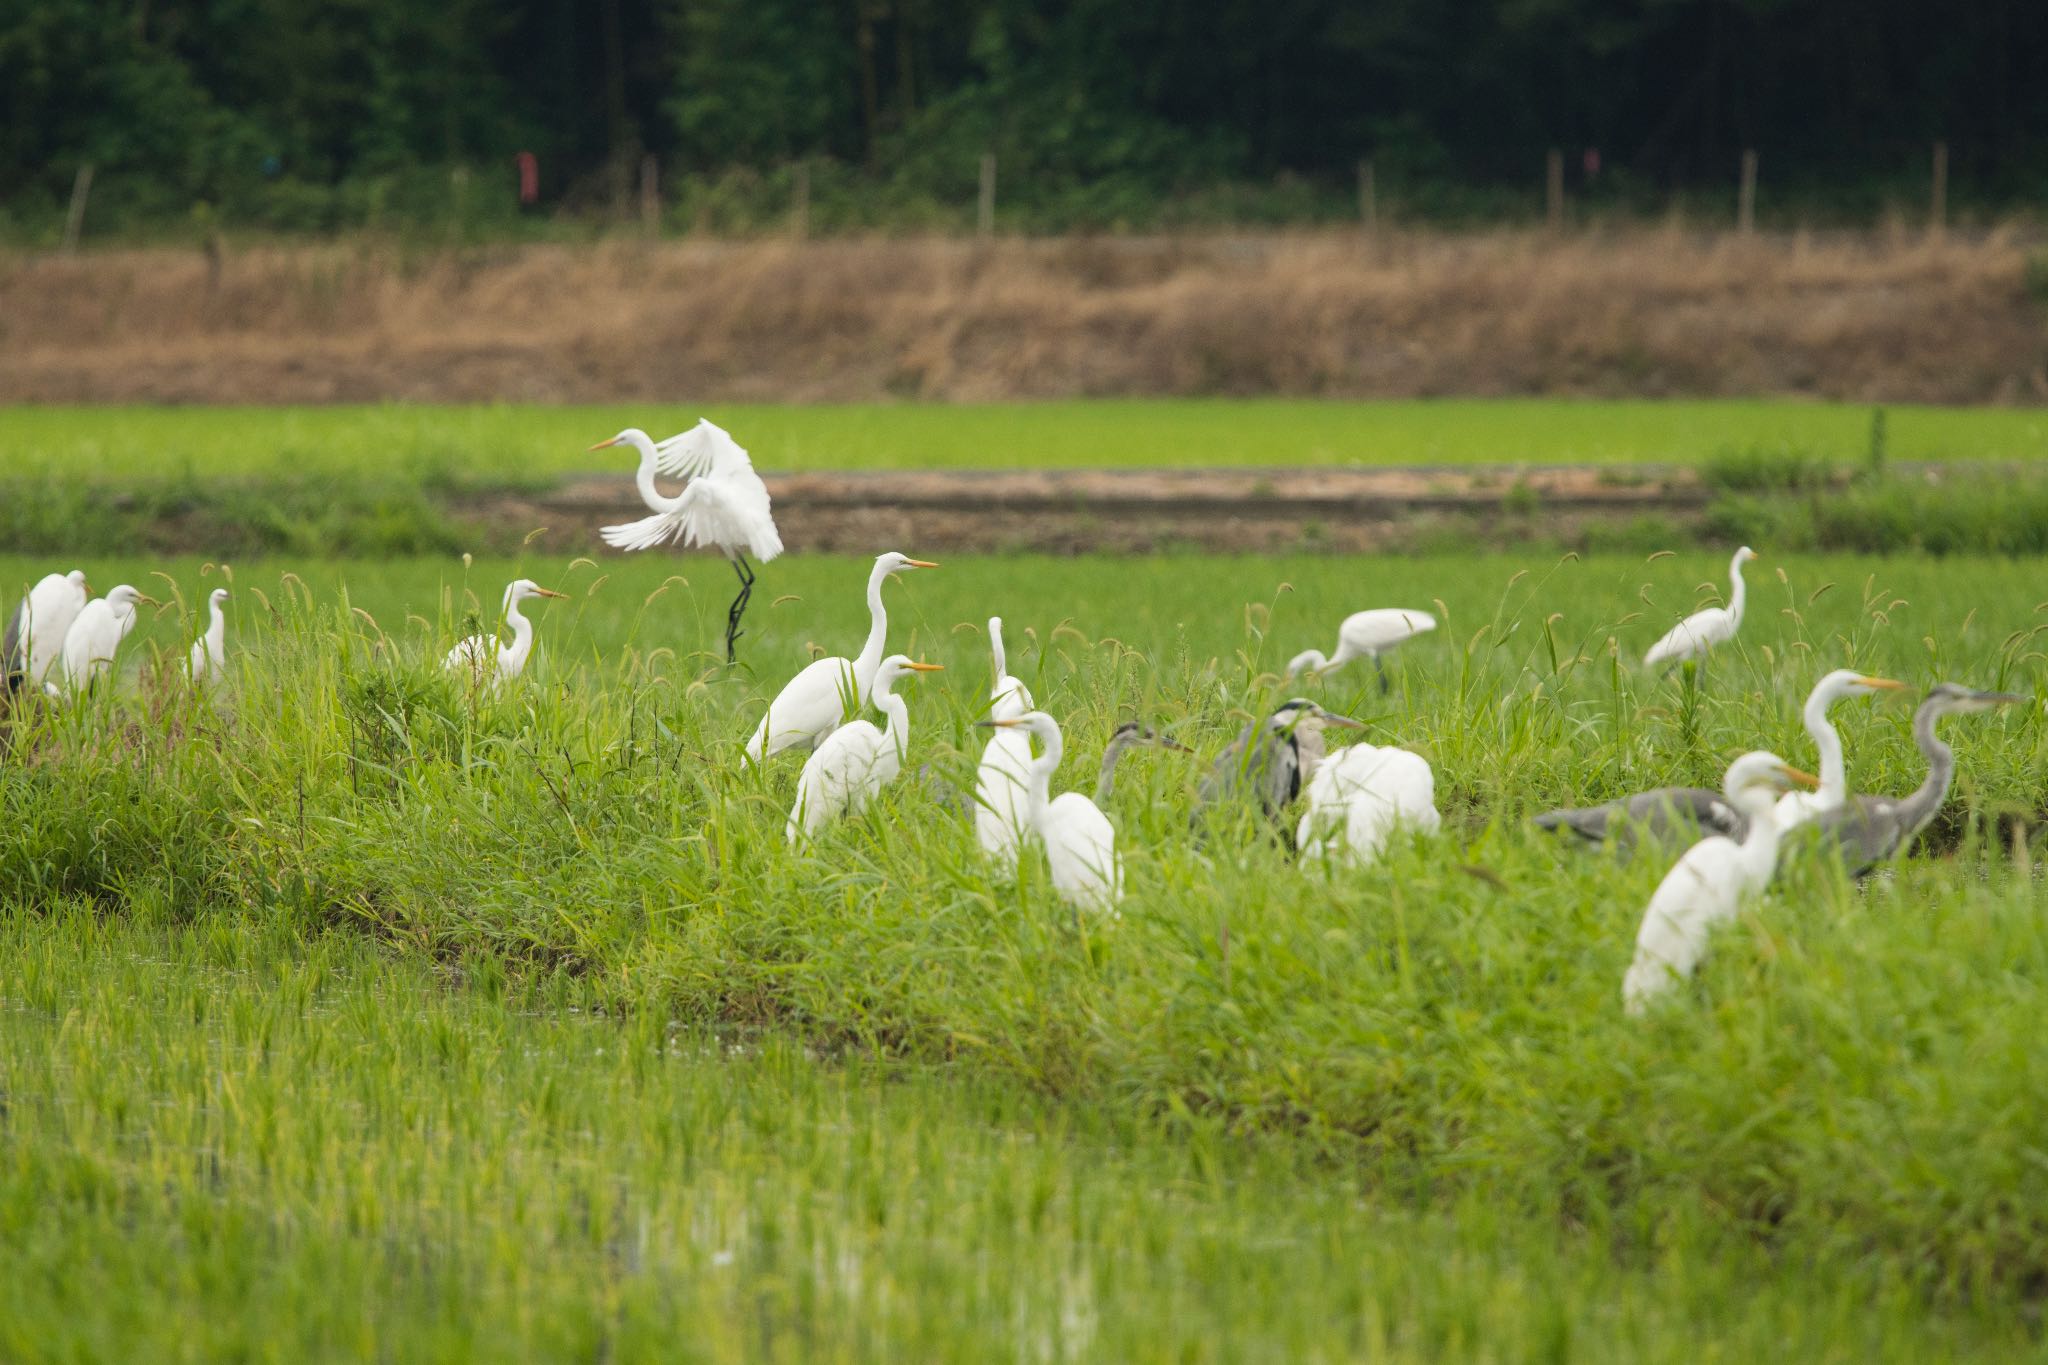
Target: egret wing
{"x": 704, "y": 449}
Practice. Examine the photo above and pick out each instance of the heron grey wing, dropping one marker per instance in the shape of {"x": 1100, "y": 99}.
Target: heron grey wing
{"x": 1675, "y": 812}
{"x": 14, "y": 646}
{"x": 1588, "y": 822}
{"x": 1865, "y": 832}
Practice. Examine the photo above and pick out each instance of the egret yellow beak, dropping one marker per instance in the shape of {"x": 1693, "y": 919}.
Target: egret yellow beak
{"x": 927, "y": 668}
{"x": 1883, "y": 684}
{"x": 919, "y": 564}
{"x": 544, "y": 592}
{"x": 1804, "y": 779}
{"x": 603, "y": 444}
{"x": 998, "y": 724}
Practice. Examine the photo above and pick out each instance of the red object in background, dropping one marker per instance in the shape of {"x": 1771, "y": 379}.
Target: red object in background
{"x": 529, "y": 178}
{"x": 1592, "y": 162}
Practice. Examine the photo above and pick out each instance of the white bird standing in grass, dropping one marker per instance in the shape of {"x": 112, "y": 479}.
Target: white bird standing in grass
{"x": 812, "y": 705}
{"x": 1711, "y": 881}
{"x": 1796, "y": 808}
{"x": 1358, "y": 798}
{"x": 1080, "y": 843}
{"x": 1364, "y": 635}
{"x": 97, "y": 632}
{"x": 1691, "y": 638}
{"x": 857, "y": 760}
{"x": 209, "y": 656}
{"x": 1002, "y": 783}
{"x": 34, "y": 639}
{"x": 724, "y": 505}
{"x": 485, "y": 663}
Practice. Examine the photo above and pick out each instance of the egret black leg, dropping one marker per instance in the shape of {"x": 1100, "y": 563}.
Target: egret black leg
{"x": 739, "y": 604}
{"x": 1386, "y": 683}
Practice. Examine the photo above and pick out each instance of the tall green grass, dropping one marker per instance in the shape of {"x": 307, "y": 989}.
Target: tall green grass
{"x": 1852, "y": 1075}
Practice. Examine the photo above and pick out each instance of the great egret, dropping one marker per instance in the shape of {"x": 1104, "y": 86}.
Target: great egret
{"x": 1670, "y": 813}
{"x": 1364, "y": 635}
{"x": 1129, "y": 735}
{"x": 1080, "y": 843}
{"x": 724, "y": 505}
{"x": 1002, "y": 782}
{"x": 1359, "y": 796}
{"x": 209, "y": 658}
{"x": 1271, "y": 758}
{"x": 1871, "y": 829}
{"x": 488, "y": 664}
{"x": 813, "y": 703}
{"x": 97, "y": 632}
{"x": 34, "y": 639}
{"x": 1696, "y": 634}
{"x": 1709, "y": 883}
{"x": 1796, "y": 808}
{"x": 856, "y": 760}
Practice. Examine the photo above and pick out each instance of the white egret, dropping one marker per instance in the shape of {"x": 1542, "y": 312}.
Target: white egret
{"x": 724, "y": 505}
{"x": 856, "y": 760}
{"x": 1796, "y": 808}
{"x": 1364, "y": 635}
{"x": 1002, "y": 781}
{"x": 811, "y": 705}
{"x": 485, "y": 663}
{"x": 1710, "y": 881}
{"x": 1691, "y": 638}
{"x": 1080, "y": 843}
{"x": 1870, "y": 829}
{"x": 1271, "y": 758}
{"x": 1357, "y": 799}
{"x": 34, "y": 639}
{"x": 96, "y": 633}
{"x": 209, "y": 657}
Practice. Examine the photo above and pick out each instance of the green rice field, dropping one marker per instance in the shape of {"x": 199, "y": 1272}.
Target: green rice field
{"x": 347, "y": 1015}
{"x": 510, "y": 443}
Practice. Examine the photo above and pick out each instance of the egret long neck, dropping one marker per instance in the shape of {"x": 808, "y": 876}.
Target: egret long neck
{"x": 1834, "y": 773}
{"x": 1759, "y": 849}
{"x": 644, "y": 475}
{"x": 1042, "y": 769}
{"x": 1002, "y": 660}
{"x": 1738, "y": 591}
{"x": 512, "y": 657}
{"x": 216, "y": 631}
{"x": 1106, "y": 783}
{"x": 895, "y": 724}
{"x": 1920, "y": 807}
{"x": 878, "y": 636}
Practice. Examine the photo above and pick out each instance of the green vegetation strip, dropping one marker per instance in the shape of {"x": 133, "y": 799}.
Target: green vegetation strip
{"x": 508, "y": 445}
{"x": 1855, "y": 1075}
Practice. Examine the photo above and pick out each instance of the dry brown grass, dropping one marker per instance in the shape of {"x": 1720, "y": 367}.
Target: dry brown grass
{"x": 1650, "y": 311}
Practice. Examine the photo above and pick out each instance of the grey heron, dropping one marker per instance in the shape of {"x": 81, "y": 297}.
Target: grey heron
{"x": 724, "y": 505}
{"x": 1710, "y": 881}
{"x": 1129, "y": 735}
{"x": 1364, "y": 635}
{"x": 1271, "y": 759}
{"x": 485, "y": 663}
{"x": 811, "y": 705}
{"x": 858, "y": 759}
{"x": 1870, "y": 829}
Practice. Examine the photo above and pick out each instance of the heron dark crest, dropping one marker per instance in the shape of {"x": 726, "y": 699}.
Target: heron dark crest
{"x": 1271, "y": 759}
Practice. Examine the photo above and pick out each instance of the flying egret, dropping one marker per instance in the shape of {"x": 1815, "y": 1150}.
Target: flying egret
{"x": 1364, "y": 635}
{"x": 1691, "y": 638}
{"x": 1666, "y": 814}
{"x": 96, "y": 633}
{"x": 1359, "y": 797}
{"x": 35, "y": 634}
{"x": 1709, "y": 883}
{"x": 856, "y": 760}
{"x": 1271, "y": 758}
{"x": 1002, "y": 781}
{"x": 209, "y": 659}
{"x": 1796, "y": 808}
{"x": 1871, "y": 829}
{"x": 724, "y": 505}
{"x": 1129, "y": 735}
{"x": 813, "y": 703}
{"x": 485, "y": 663}
{"x": 1080, "y": 843}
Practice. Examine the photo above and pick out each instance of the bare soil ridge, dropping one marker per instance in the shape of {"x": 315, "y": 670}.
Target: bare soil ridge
{"x": 1892, "y": 317}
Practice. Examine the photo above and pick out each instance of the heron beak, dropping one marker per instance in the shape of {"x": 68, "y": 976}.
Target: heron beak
{"x": 602, "y": 445}
{"x": 1804, "y": 779}
{"x": 1342, "y": 722}
{"x": 926, "y": 668}
{"x": 544, "y": 592}
{"x": 919, "y": 564}
{"x": 1998, "y": 698}
{"x": 996, "y": 724}
{"x": 1163, "y": 742}
{"x": 1883, "y": 684}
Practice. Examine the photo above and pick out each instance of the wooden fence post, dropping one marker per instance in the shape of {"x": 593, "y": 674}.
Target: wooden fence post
{"x": 985, "y": 206}
{"x": 1553, "y": 189}
{"x": 74, "y": 221}
{"x": 1937, "y": 208}
{"x": 1745, "y": 195}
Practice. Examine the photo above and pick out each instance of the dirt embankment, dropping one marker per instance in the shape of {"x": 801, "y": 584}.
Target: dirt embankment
{"x": 1643, "y": 312}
